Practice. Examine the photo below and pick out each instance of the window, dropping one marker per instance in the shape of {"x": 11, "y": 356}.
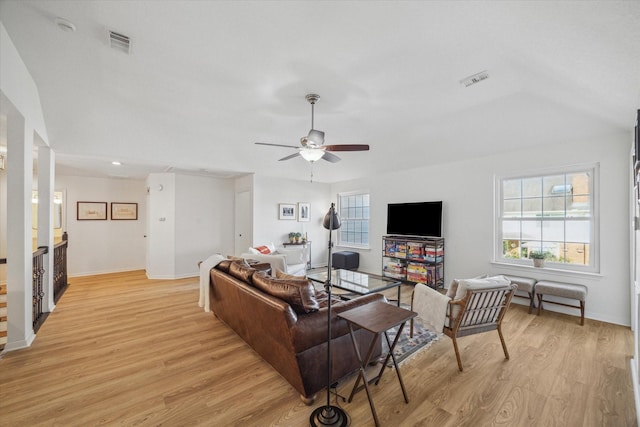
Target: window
{"x": 353, "y": 209}
{"x": 552, "y": 213}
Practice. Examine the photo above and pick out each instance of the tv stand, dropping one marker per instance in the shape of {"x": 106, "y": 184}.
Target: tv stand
{"x": 414, "y": 259}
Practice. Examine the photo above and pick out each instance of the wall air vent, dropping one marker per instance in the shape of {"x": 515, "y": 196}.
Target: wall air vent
{"x": 476, "y": 78}
{"x": 119, "y": 42}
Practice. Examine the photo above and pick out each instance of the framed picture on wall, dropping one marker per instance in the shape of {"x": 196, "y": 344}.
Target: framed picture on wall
{"x": 287, "y": 211}
{"x": 124, "y": 211}
{"x": 303, "y": 212}
{"x": 91, "y": 211}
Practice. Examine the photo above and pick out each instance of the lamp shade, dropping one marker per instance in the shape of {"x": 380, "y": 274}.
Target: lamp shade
{"x": 311, "y": 154}
{"x": 331, "y": 219}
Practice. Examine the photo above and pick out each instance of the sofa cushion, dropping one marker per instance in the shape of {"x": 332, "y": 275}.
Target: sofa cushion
{"x": 299, "y": 293}
{"x": 242, "y": 271}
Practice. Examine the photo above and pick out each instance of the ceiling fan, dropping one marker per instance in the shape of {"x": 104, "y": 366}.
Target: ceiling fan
{"x": 312, "y": 146}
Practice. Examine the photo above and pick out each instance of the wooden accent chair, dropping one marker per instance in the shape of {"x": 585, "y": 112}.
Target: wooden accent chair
{"x": 480, "y": 310}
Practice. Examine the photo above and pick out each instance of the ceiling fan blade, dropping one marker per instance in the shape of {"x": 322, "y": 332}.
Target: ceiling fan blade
{"x": 316, "y": 136}
{"x": 291, "y": 156}
{"x": 330, "y": 157}
{"x": 346, "y": 147}
{"x": 277, "y": 145}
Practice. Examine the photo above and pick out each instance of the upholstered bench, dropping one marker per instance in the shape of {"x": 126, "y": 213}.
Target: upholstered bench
{"x": 527, "y": 285}
{"x": 563, "y": 290}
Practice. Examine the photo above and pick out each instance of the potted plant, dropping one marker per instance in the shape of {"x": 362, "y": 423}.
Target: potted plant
{"x": 538, "y": 258}
{"x": 298, "y": 235}
{"x": 292, "y": 237}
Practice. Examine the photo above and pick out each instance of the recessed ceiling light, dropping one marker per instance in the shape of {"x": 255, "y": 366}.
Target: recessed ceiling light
{"x": 65, "y": 25}
{"x": 116, "y": 163}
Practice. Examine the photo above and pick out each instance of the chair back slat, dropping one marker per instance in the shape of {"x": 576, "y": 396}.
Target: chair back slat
{"x": 485, "y": 307}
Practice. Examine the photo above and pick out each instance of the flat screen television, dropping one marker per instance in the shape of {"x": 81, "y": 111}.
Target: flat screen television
{"x": 415, "y": 219}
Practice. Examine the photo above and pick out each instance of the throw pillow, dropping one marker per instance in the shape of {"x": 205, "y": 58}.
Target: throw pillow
{"x": 453, "y": 287}
{"x": 224, "y": 265}
{"x": 299, "y": 293}
{"x": 265, "y": 249}
{"x": 242, "y": 271}
{"x": 282, "y": 275}
{"x": 487, "y": 282}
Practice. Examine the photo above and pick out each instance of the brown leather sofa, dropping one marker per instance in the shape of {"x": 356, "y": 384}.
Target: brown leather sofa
{"x": 288, "y": 330}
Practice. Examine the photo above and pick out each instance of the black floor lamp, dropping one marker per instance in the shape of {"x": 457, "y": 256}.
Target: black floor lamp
{"x": 329, "y": 415}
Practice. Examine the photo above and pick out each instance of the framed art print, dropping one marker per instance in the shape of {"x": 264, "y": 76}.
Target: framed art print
{"x": 124, "y": 211}
{"x": 91, "y": 211}
{"x": 287, "y": 211}
{"x": 303, "y": 212}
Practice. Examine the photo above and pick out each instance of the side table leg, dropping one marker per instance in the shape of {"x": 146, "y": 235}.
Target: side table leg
{"x": 393, "y": 357}
{"x": 362, "y": 375}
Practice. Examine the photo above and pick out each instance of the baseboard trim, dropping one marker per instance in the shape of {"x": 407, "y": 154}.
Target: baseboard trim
{"x": 636, "y": 385}
{"x": 96, "y": 273}
{"x": 174, "y": 277}
{"x": 20, "y": 344}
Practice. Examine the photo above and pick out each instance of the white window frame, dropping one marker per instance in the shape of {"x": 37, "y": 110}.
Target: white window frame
{"x": 341, "y": 242}
{"x": 594, "y": 248}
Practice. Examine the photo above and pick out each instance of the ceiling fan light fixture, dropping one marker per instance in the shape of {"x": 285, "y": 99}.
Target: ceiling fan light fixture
{"x": 311, "y": 154}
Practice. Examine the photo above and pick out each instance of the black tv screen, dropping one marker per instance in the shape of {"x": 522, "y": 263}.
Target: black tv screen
{"x": 415, "y": 219}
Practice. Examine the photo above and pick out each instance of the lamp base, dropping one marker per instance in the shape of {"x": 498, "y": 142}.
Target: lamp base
{"x": 328, "y": 416}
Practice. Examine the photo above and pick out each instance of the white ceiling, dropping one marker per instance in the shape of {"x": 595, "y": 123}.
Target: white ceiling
{"x": 207, "y": 79}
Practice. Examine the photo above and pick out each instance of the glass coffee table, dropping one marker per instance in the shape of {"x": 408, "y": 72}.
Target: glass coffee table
{"x": 357, "y": 283}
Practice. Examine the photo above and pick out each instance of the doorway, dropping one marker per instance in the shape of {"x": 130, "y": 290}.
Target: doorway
{"x": 243, "y": 230}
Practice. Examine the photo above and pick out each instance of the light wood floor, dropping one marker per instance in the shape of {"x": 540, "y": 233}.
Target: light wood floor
{"x": 123, "y": 350}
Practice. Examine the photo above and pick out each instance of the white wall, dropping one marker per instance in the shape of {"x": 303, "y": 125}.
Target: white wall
{"x": 103, "y": 246}
{"x": 161, "y": 226}
{"x": 18, "y": 85}
{"x": 269, "y": 192}
{"x": 204, "y": 221}
{"x": 466, "y": 189}
{"x": 3, "y": 224}
{"x": 190, "y": 218}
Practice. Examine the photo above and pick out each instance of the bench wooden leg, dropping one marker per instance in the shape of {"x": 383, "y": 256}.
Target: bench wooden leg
{"x": 581, "y": 307}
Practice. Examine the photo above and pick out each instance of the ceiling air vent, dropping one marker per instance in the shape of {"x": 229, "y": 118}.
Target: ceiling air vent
{"x": 476, "y": 78}
{"x": 119, "y": 42}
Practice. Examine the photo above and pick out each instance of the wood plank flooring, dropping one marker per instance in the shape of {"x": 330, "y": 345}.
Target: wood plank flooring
{"x": 123, "y": 350}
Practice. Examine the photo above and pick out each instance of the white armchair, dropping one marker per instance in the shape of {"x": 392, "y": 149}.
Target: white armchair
{"x": 291, "y": 261}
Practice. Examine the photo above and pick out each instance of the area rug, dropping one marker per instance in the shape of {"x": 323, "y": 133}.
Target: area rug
{"x": 406, "y": 347}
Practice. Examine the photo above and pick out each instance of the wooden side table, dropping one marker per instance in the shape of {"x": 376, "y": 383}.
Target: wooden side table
{"x": 377, "y": 318}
